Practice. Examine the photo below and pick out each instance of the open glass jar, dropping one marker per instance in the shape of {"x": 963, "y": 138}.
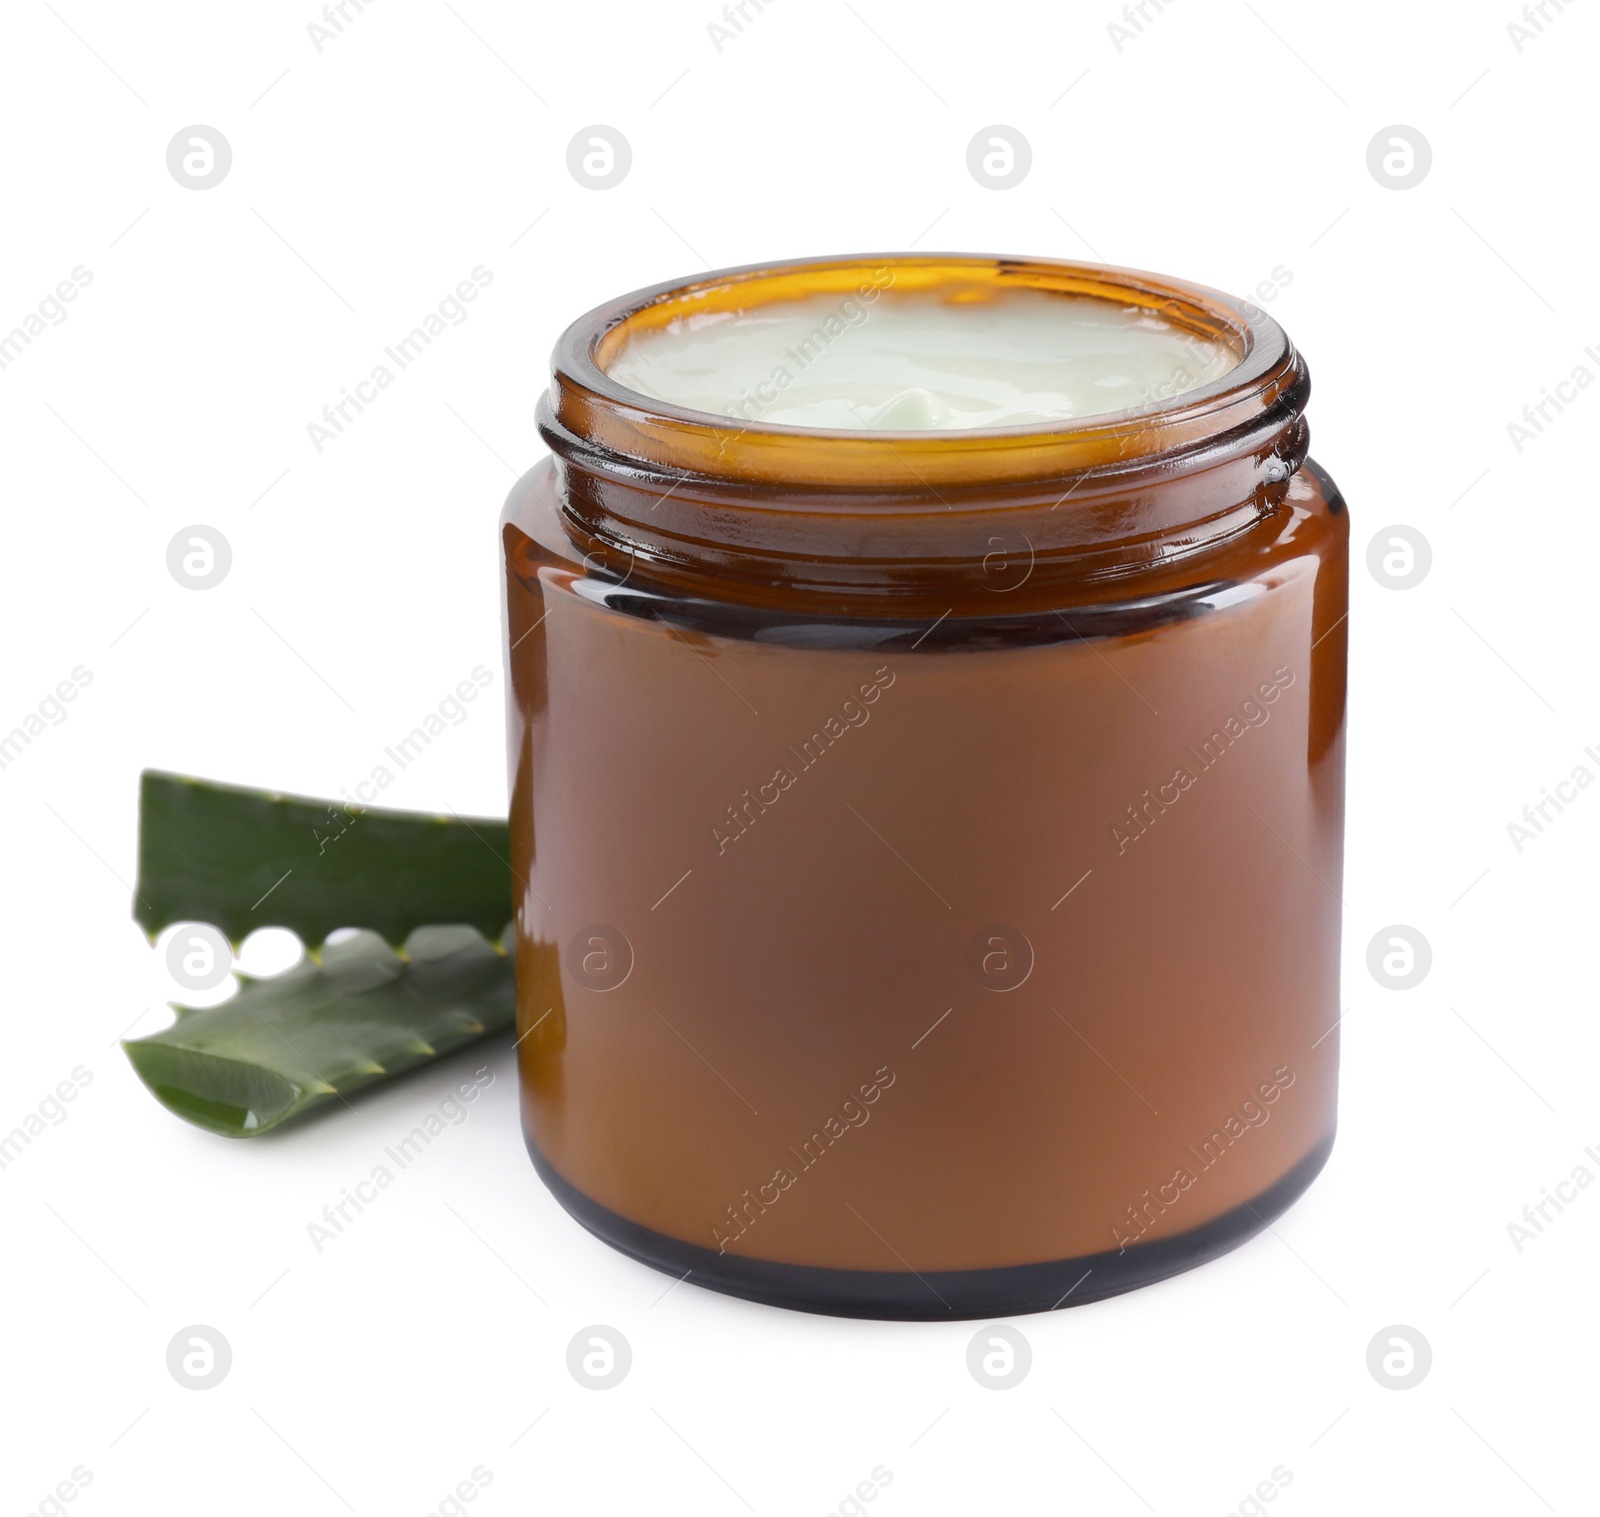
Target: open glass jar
{"x": 927, "y": 844}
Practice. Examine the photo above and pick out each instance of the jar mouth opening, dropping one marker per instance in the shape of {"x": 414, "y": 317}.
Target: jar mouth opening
{"x": 590, "y": 411}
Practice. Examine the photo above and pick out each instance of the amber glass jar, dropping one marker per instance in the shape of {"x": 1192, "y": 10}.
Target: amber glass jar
{"x": 928, "y": 844}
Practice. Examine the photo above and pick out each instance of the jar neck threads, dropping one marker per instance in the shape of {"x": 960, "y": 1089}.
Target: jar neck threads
{"x": 782, "y": 513}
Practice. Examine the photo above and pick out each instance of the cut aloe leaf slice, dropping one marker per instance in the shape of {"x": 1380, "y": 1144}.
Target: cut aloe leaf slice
{"x": 242, "y": 859}
{"x": 287, "y": 1045}
{"x": 359, "y": 1011}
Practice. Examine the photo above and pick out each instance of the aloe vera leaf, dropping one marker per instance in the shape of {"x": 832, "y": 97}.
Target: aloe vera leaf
{"x": 242, "y": 859}
{"x": 285, "y": 1045}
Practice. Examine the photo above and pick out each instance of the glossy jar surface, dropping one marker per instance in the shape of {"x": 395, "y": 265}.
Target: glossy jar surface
{"x": 928, "y": 846}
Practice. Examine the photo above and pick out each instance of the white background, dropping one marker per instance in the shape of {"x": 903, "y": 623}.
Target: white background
{"x": 1223, "y": 141}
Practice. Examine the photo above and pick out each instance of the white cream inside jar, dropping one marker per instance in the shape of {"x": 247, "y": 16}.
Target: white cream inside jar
{"x": 880, "y": 360}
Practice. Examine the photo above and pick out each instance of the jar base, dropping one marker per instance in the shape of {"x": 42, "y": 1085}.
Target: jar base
{"x": 938, "y": 1295}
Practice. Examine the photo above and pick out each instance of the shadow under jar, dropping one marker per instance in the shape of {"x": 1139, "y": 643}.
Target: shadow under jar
{"x": 927, "y": 843}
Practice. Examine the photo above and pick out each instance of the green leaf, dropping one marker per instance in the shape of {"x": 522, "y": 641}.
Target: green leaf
{"x": 286, "y": 1045}
{"x": 242, "y": 859}
{"x": 357, "y": 1012}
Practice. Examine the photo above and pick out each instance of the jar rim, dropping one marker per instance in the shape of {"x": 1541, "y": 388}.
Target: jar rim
{"x": 588, "y": 412}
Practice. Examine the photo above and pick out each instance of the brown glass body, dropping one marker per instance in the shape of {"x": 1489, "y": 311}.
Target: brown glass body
{"x": 928, "y": 846}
